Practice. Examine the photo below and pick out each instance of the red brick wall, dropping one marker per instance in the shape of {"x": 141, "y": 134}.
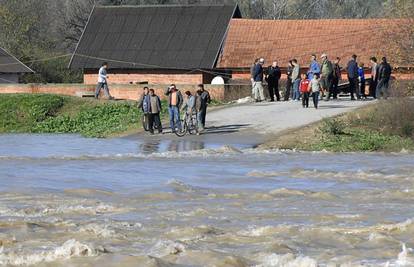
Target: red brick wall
{"x": 152, "y": 77}
{"x": 119, "y": 91}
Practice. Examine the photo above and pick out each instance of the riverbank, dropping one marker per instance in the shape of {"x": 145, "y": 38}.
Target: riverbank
{"x": 385, "y": 126}
{"x": 44, "y": 113}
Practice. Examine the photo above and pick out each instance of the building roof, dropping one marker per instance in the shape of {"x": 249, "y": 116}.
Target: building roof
{"x": 10, "y": 64}
{"x": 283, "y": 40}
{"x": 154, "y": 37}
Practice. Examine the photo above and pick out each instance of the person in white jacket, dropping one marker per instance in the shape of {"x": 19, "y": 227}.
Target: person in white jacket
{"x": 102, "y": 81}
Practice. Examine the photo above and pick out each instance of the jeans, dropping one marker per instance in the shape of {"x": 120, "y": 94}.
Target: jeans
{"x": 296, "y": 93}
{"x": 175, "y": 122}
{"x": 99, "y": 87}
{"x": 382, "y": 87}
{"x": 315, "y": 98}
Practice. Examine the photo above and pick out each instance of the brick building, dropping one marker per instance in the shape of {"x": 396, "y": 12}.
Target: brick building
{"x": 11, "y": 68}
{"x": 283, "y": 40}
{"x": 192, "y": 44}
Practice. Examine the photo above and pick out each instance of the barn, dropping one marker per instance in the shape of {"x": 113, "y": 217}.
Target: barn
{"x": 192, "y": 44}
{"x": 154, "y": 44}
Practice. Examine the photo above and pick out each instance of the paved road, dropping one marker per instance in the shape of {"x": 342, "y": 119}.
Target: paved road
{"x": 273, "y": 117}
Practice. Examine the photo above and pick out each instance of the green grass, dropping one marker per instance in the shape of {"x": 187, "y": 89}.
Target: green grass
{"x": 387, "y": 126}
{"x": 43, "y": 113}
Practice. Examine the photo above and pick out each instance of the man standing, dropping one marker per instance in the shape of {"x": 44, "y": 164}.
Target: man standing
{"x": 288, "y": 81}
{"x": 314, "y": 67}
{"x": 374, "y": 77}
{"x": 296, "y": 80}
{"x": 154, "y": 112}
{"x": 384, "y": 76}
{"x": 326, "y": 76}
{"x": 352, "y": 69}
{"x": 205, "y": 99}
{"x": 273, "y": 77}
{"x": 336, "y": 78}
{"x": 175, "y": 100}
{"x": 258, "y": 81}
{"x": 102, "y": 82}
{"x": 144, "y": 105}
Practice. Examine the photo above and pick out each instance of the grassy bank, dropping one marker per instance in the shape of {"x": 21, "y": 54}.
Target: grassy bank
{"x": 27, "y": 113}
{"x": 384, "y": 126}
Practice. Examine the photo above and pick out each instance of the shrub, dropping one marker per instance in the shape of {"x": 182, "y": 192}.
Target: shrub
{"x": 332, "y": 127}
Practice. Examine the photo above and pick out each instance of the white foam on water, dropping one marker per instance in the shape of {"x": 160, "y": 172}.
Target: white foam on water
{"x": 69, "y": 249}
{"x": 166, "y": 247}
{"x": 286, "y": 260}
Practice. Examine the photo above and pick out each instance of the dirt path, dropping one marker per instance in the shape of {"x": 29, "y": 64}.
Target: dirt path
{"x": 273, "y": 117}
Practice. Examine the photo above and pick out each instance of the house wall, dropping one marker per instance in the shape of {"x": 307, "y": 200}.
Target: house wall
{"x": 9, "y": 78}
{"x": 150, "y": 76}
{"x": 126, "y": 91}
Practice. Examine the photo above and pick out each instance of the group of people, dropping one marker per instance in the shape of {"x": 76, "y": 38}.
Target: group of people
{"x": 191, "y": 104}
{"x": 321, "y": 81}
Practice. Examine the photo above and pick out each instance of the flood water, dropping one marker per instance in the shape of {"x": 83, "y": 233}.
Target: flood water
{"x": 201, "y": 201}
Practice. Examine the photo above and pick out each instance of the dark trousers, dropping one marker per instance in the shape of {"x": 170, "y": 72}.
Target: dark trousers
{"x": 203, "y": 113}
{"x": 334, "y": 91}
{"x": 305, "y": 99}
{"x": 288, "y": 89}
{"x": 373, "y": 88}
{"x": 353, "y": 84}
{"x": 274, "y": 90}
{"x": 154, "y": 121}
{"x": 315, "y": 98}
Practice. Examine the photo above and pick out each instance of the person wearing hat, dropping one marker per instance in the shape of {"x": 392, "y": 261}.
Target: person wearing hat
{"x": 326, "y": 76}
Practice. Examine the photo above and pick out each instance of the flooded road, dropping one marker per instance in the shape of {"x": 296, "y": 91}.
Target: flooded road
{"x": 201, "y": 201}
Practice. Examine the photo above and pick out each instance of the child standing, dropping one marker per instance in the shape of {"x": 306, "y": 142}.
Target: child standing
{"x": 304, "y": 89}
{"x": 316, "y": 88}
{"x": 361, "y": 76}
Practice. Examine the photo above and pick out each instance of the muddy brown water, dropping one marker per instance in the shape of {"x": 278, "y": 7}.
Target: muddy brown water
{"x": 71, "y": 201}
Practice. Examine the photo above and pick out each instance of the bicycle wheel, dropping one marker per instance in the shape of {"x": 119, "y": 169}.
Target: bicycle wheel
{"x": 193, "y": 129}
{"x": 183, "y": 131}
{"x": 144, "y": 120}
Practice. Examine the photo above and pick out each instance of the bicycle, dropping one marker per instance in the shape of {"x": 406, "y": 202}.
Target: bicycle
{"x": 188, "y": 125}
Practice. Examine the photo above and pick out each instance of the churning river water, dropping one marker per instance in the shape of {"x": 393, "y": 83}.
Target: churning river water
{"x": 71, "y": 201}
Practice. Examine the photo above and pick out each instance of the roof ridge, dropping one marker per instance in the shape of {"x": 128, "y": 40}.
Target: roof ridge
{"x": 164, "y": 6}
{"x": 324, "y": 19}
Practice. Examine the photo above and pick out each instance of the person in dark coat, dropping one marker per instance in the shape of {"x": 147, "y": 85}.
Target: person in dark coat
{"x": 205, "y": 99}
{"x": 288, "y": 81}
{"x": 374, "y": 77}
{"x": 352, "y": 69}
{"x": 273, "y": 77}
{"x": 384, "y": 76}
{"x": 336, "y": 78}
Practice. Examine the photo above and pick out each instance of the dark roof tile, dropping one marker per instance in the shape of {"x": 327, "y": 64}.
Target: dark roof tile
{"x": 172, "y": 37}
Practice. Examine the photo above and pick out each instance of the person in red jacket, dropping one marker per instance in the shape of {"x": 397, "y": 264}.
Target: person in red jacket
{"x": 304, "y": 88}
